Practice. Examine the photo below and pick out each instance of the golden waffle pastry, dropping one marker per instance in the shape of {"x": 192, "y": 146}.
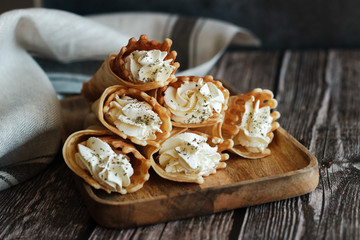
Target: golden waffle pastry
{"x": 113, "y": 72}
{"x": 138, "y": 162}
{"x": 215, "y": 118}
{"x": 102, "y": 107}
{"x": 233, "y": 118}
{"x": 152, "y": 153}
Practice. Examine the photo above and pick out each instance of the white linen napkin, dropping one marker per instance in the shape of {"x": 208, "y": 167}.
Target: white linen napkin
{"x": 43, "y": 50}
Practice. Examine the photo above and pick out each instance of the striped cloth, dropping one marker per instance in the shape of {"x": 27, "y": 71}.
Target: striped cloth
{"x": 47, "y": 54}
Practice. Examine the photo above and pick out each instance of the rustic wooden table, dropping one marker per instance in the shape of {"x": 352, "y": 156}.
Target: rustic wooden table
{"x": 319, "y": 100}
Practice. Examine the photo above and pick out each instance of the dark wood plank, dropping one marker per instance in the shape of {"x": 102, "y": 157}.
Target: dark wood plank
{"x": 216, "y": 226}
{"x": 300, "y": 95}
{"x": 318, "y": 94}
{"x": 45, "y": 207}
{"x": 248, "y": 70}
{"x": 340, "y": 173}
{"x": 244, "y": 70}
{"x": 145, "y": 232}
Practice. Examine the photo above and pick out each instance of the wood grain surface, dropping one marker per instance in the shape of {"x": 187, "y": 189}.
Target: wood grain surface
{"x": 319, "y": 99}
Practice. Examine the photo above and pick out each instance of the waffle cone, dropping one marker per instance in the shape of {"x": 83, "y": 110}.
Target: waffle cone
{"x": 233, "y": 117}
{"x": 215, "y": 118}
{"x": 101, "y": 108}
{"x": 113, "y": 72}
{"x": 103, "y": 78}
{"x": 139, "y": 163}
{"x": 150, "y": 152}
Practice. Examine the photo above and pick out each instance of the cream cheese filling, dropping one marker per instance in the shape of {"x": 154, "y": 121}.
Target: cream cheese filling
{"x": 148, "y": 66}
{"x": 255, "y": 125}
{"x": 106, "y": 167}
{"x": 194, "y": 102}
{"x": 189, "y": 153}
{"x": 134, "y": 118}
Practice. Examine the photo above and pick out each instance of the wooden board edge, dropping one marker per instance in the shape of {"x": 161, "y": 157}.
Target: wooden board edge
{"x": 311, "y": 166}
{"x": 213, "y": 200}
{"x": 222, "y": 198}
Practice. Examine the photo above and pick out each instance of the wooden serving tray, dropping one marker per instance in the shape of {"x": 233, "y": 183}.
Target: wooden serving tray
{"x": 291, "y": 170}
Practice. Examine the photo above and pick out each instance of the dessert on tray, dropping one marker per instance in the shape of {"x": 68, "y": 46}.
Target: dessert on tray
{"x": 106, "y": 161}
{"x": 142, "y": 64}
{"x": 251, "y": 123}
{"x": 180, "y": 126}
{"x": 133, "y": 114}
{"x": 188, "y": 156}
{"x": 194, "y": 101}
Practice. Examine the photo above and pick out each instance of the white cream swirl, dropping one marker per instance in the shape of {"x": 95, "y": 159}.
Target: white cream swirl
{"x": 194, "y": 102}
{"x": 189, "y": 153}
{"x": 134, "y": 118}
{"x": 255, "y": 125}
{"x": 106, "y": 167}
{"x": 148, "y": 66}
